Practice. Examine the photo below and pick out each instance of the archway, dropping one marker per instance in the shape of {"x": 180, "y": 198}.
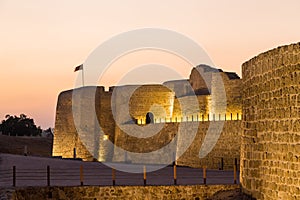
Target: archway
{"x": 149, "y": 118}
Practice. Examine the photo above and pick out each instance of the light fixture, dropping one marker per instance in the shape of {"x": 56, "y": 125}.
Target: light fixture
{"x": 105, "y": 137}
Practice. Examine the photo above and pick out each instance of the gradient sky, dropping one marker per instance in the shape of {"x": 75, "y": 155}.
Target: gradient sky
{"x": 42, "y": 41}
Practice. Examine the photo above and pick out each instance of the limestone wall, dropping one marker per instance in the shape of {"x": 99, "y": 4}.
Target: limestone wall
{"x": 134, "y": 102}
{"x": 200, "y": 192}
{"x": 270, "y": 150}
{"x": 227, "y": 146}
{"x": 226, "y": 95}
{"x": 87, "y": 136}
{"x": 233, "y": 90}
{"x": 180, "y": 87}
{"x": 162, "y": 135}
{"x": 201, "y": 78}
{"x": 65, "y": 134}
{"x": 106, "y": 121}
{"x": 189, "y": 108}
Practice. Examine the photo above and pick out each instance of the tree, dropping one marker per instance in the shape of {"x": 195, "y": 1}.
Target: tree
{"x": 19, "y": 126}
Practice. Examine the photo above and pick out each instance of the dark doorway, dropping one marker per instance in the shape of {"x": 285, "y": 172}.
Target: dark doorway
{"x": 149, "y": 118}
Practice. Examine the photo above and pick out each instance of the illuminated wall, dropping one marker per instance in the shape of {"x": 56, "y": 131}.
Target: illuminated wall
{"x": 226, "y": 148}
{"x": 226, "y": 96}
{"x": 201, "y": 79}
{"x": 270, "y": 150}
{"x": 173, "y": 102}
{"x": 86, "y": 136}
{"x": 197, "y": 108}
{"x": 156, "y": 99}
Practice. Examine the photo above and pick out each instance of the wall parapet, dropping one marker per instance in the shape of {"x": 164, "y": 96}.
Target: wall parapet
{"x": 195, "y": 118}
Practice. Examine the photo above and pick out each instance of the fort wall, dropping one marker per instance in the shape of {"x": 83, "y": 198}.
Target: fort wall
{"x": 157, "y": 99}
{"x": 189, "y": 108}
{"x": 227, "y": 147}
{"x": 162, "y": 135}
{"x": 270, "y": 150}
{"x": 201, "y": 78}
{"x": 66, "y": 138}
{"x": 180, "y": 87}
{"x": 83, "y": 132}
{"x": 106, "y": 124}
{"x": 233, "y": 88}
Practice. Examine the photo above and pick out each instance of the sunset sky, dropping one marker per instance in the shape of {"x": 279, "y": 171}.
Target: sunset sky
{"x": 42, "y": 41}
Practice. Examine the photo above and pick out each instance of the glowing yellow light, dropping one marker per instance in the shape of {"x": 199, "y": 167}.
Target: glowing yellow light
{"x": 105, "y": 137}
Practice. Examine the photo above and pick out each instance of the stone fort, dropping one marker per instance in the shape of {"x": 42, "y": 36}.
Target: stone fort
{"x": 198, "y": 95}
{"x": 258, "y": 122}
